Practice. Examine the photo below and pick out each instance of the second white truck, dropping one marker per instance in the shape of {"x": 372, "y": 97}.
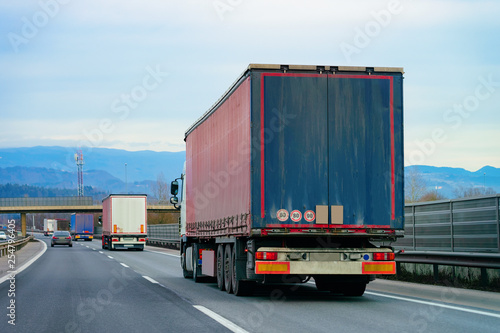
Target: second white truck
{"x": 124, "y": 221}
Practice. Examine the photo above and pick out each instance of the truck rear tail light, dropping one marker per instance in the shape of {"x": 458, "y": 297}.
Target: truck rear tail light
{"x": 200, "y": 252}
{"x": 383, "y": 256}
{"x": 115, "y": 239}
{"x": 68, "y": 237}
{"x": 142, "y": 239}
{"x": 266, "y": 255}
{"x": 54, "y": 237}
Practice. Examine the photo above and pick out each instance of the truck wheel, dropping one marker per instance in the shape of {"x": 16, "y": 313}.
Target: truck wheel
{"x": 185, "y": 273}
{"x": 354, "y": 289}
{"x": 228, "y": 269}
{"x": 240, "y": 287}
{"x": 220, "y": 267}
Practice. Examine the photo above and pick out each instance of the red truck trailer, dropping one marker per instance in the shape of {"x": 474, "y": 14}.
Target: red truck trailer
{"x": 296, "y": 172}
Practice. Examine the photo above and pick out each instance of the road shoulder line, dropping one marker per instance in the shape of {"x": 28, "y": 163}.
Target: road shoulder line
{"x": 27, "y": 264}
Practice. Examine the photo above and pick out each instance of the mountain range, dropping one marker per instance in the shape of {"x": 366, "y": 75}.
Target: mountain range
{"x": 447, "y": 180}
{"x": 105, "y": 169}
{"x": 112, "y": 170}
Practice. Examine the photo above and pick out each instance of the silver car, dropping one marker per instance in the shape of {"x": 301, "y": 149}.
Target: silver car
{"x": 61, "y": 238}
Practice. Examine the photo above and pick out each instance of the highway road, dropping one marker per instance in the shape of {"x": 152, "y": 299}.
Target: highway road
{"x": 87, "y": 289}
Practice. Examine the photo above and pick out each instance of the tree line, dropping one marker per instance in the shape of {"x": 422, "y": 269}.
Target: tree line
{"x": 31, "y": 191}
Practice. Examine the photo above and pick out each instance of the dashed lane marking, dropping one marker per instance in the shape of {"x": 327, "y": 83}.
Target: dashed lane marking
{"x": 221, "y": 320}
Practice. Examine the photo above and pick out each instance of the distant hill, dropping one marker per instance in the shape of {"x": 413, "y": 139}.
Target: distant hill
{"x": 447, "y": 179}
{"x": 98, "y": 180}
{"x": 104, "y": 170}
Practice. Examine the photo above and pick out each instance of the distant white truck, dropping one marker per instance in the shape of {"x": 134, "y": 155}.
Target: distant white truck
{"x": 49, "y": 226}
{"x": 124, "y": 221}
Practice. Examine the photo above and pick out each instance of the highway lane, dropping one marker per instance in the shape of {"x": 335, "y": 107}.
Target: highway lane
{"x": 303, "y": 308}
{"x": 153, "y": 289}
{"x": 80, "y": 290}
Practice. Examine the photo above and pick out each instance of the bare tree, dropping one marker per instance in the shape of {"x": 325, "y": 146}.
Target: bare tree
{"x": 415, "y": 186}
{"x": 161, "y": 189}
{"x": 468, "y": 192}
{"x": 433, "y": 195}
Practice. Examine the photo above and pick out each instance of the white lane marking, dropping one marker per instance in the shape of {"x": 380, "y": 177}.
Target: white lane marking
{"x": 452, "y": 307}
{"x": 26, "y": 265}
{"x": 123, "y": 265}
{"x": 150, "y": 279}
{"x": 101, "y": 252}
{"x": 88, "y": 247}
{"x": 484, "y": 313}
{"x": 93, "y": 249}
{"x": 110, "y": 257}
{"x": 221, "y": 320}
{"x": 167, "y": 254}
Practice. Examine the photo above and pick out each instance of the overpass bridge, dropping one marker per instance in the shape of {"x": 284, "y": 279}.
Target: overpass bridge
{"x": 24, "y": 206}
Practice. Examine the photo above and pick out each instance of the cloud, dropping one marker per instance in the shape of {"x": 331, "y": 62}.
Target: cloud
{"x": 67, "y": 77}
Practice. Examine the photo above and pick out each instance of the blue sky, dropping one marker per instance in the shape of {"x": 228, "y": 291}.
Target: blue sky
{"x": 135, "y": 75}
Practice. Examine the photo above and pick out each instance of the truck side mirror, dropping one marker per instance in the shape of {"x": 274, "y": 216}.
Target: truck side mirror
{"x": 100, "y": 219}
{"x": 174, "y": 187}
{"x": 174, "y": 200}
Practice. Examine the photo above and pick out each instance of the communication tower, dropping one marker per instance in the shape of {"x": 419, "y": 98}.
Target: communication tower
{"x": 79, "y": 163}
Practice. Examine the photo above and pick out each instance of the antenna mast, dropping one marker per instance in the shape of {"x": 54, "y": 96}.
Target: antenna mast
{"x": 79, "y": 163}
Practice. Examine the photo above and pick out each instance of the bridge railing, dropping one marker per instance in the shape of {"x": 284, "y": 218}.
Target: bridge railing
{"x": 46, "y": 201}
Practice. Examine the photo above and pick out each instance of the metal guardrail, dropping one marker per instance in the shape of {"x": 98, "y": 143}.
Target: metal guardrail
{"x": 466, "y": 259}
{"x": 4, "y": 247}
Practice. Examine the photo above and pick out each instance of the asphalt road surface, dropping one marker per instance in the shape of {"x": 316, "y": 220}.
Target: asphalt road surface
{"x": 87, "y": 289}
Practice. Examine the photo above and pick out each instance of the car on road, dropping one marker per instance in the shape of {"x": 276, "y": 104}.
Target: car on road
{"x": 3, "y": 235}
{"x": 61, "y": 238}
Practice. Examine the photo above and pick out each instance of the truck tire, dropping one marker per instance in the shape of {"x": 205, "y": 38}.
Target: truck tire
{"x": 240, "y": 287}
{"x": 220, "y": 267}
{"x": 185, "y": 273}
{"x": 228, "y": 269}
